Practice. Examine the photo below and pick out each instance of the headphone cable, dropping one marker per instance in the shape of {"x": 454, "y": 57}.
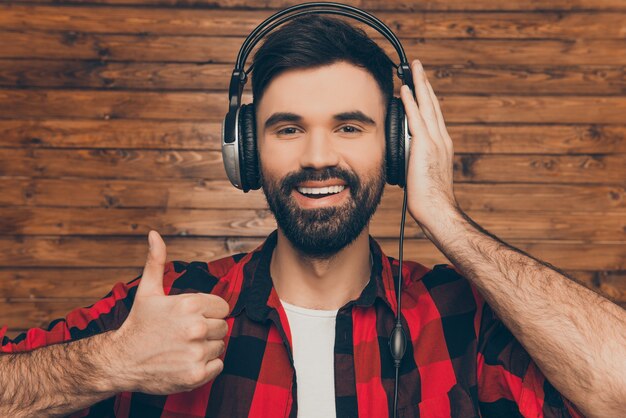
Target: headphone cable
{"x": 397, "y": 339}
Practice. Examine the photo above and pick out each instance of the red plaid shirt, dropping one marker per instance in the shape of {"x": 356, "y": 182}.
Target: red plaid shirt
{"x": 462, "y": 361}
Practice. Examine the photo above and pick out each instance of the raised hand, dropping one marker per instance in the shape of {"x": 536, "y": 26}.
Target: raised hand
{"x": 430, "y": 172}
{"x": 169, "y": 343}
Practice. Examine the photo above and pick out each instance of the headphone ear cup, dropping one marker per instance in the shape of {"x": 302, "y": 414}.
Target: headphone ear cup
{"x": 249, "y": 164}
{"x": 394, "y": 126}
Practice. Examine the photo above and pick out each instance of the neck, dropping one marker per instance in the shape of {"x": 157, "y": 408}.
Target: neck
{"x": 320, "y": 284}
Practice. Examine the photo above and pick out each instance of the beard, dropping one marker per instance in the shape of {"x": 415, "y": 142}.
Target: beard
{"x": 319, "y": 233}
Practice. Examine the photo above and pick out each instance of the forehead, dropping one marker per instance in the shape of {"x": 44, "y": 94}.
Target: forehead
{"x": 322, "y": 91}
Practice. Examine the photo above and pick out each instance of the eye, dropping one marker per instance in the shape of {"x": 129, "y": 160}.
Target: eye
{"x": 286, "y": 131}
{"x": 351, "y": 129}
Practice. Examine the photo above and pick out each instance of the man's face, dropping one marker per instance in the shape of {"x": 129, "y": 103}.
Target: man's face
{"x": 321, "y": 140}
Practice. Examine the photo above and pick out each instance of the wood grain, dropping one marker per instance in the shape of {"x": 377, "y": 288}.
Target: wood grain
{"x": 455, "y": 25}
{"x": 28, "y": 283}
{"x": 445, "y": 79}
{"x": 110, "y": 114}
{"x": 220, "y": 49}
{"x": 374, "y": 5}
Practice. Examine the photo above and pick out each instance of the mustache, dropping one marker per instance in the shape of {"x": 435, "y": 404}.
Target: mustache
{"x": 291, "y": 180}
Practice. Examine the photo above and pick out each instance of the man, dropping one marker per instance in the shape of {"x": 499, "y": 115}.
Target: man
{"x": 308, "y": 313}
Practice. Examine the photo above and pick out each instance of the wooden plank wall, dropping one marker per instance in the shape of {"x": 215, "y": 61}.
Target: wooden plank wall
{"x": 110, "y": 114}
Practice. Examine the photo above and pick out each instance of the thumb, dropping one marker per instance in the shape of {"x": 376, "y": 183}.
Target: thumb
{"x": 151, "y": 282}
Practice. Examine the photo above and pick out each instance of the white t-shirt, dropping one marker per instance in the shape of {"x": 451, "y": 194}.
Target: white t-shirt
{"x": 313, "y": 340}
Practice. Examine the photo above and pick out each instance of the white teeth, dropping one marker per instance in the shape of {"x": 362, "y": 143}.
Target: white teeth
{"x": 321, "y": 190}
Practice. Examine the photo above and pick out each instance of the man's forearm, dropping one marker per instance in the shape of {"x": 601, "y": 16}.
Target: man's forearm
{"x": 576, "y": 337}
{"x": 57, "y": 379}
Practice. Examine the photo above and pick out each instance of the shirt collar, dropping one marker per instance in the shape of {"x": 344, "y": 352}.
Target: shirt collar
{"x": 258, "y": 296}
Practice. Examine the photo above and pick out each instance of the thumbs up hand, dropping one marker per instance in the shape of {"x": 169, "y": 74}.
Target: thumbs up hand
{"x": 168, "y": 343}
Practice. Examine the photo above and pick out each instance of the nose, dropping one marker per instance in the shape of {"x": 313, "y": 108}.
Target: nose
{"x": 319, "y": 151}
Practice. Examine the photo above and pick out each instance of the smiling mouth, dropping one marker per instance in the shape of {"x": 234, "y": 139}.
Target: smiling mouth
{"x": 320, "y": 192}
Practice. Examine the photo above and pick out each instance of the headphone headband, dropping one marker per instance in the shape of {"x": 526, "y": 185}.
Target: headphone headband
{"x": 308, "y": 8}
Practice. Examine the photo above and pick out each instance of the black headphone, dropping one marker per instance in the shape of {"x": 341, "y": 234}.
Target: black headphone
{"x": 239, "y": 147}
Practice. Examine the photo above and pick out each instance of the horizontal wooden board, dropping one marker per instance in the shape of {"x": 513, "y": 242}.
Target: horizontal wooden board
{"x": 535, "y": 109}
{"x": 532, "y": 79}
{"x": 447, "y": 79}
{"x": 220, "y": 194}
{"x": 211, "y": 107}
{"x": 463, "y": 5}
{"x": 220, "y": 49}
{"x": 112, "y": 164}
{"x": 541, "y": 168}
{"x": 373, "y": 5}
{"x": 61, "y": 283}
{"x": 152, "y": 165}
{"x": 179, "y": 193}
{"x": 23, "y": 220}
{"x": 190, "y": 135}
{"x": 165, "y": 21}
{"x": 105, "y": 105}
{"x": 79, "y": 251}
{"x": 194, "y": 135}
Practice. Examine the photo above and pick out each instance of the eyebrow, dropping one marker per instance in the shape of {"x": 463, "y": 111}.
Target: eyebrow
{"x": 339, "y": 117}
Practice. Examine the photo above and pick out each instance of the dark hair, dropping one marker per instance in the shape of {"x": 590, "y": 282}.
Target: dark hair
{"x": 314, "y": 40}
